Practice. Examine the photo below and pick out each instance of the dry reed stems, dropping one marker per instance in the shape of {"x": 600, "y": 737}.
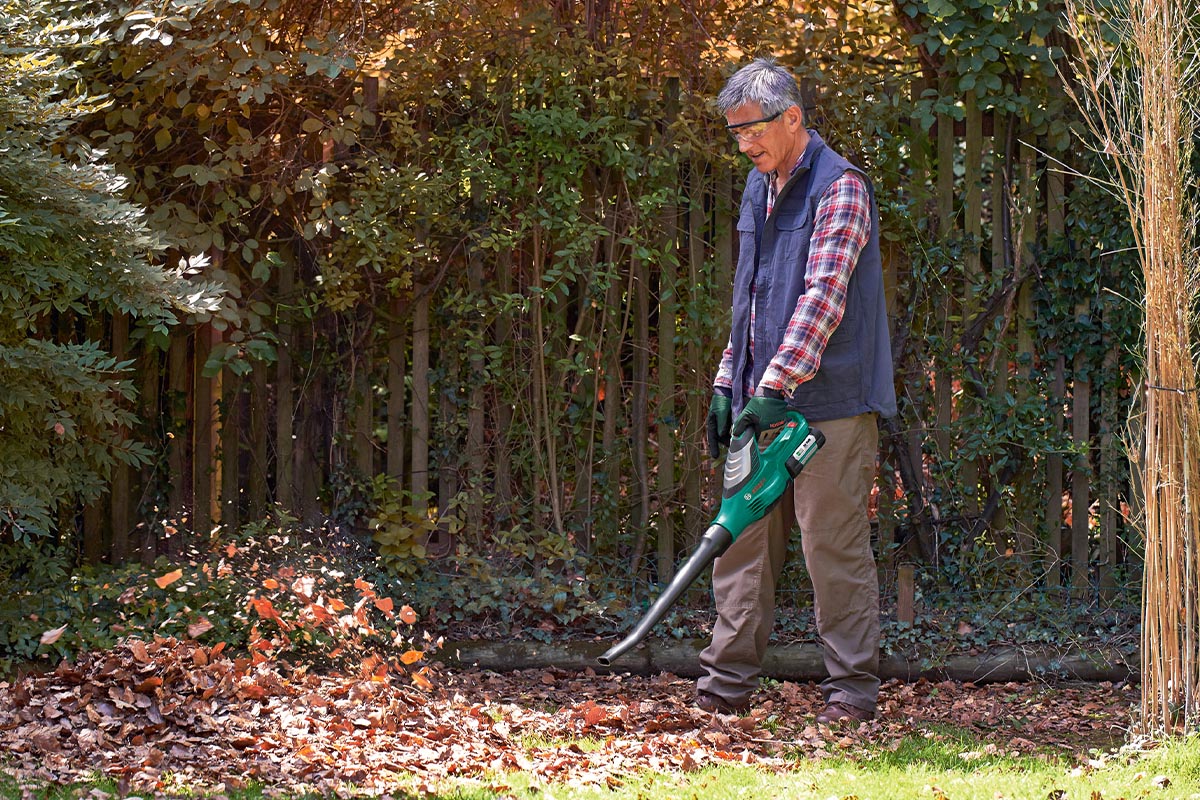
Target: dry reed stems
{"x": 1138, "y": 100}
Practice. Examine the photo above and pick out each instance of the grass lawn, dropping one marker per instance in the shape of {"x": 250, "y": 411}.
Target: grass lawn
{"x": 954, "y": 766}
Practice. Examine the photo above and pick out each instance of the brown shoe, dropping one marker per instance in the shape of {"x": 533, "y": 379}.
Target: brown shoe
{"x": 835, "y": 713}
{"x": 715, "y": 704}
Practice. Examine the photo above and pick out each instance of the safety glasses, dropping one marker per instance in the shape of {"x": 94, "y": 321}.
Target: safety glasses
{"x": 749, "y": 131}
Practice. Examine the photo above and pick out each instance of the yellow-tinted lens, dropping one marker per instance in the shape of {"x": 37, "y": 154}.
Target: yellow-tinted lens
{"x": 750, "y": 132}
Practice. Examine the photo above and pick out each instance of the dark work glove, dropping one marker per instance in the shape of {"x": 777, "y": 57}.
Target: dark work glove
{"x": 720, "y": 417}
{"x": 762, "y": 412}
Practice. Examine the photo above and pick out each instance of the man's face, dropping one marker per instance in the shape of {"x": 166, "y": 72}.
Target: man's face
{"x": 770, "y": 145}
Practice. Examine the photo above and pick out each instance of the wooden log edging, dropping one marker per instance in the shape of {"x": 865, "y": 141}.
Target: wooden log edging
{"x": 798, "y": 662}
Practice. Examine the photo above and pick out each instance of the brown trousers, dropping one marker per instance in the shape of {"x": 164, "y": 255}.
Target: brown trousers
{"x": 829, "y": 503}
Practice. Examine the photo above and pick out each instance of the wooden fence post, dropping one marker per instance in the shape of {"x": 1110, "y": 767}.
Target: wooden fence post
{"x": 259, "y": 432}
{"x": 905, "y": 594}
{"x": 181, "y": 414}
{"x": 206, "y": 436}
{"x": 364, "y": 411}
{"x": 693, "y": 438}
{"x": 942, "y": 379}
{"x": 419, "y": 472}
{"x": 668, "y": 304}
{"x": 397, "y": 347}
{"x": 119, "y": 502}
{"x": 285, "y": 385}
{"x": 229, "y": 500}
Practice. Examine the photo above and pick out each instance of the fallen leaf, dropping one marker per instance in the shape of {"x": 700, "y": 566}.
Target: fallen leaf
{"x": 199, "y": 628}
{"x": 270, "y": 583}
{"x": 163, "y": 581}
{"x": 407, "y": 615}
{"x": 384, "y": 604}
{"x": 153, "y": 682}
{"x": 51, "y": 636}
{"x": 420, "y": 679}
{"x": 411, "y": 657}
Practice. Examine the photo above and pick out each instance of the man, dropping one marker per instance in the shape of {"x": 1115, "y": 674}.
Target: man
{"x": 809, "y": 333}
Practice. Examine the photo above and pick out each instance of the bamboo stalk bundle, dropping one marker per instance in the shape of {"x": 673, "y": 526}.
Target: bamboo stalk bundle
{"x": 1171, "y": 473}
{"x": 1145, "y": 118}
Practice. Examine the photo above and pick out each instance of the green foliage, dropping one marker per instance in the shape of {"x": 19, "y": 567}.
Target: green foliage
{"x": 400, "y": 529}
{"x": 522, "y": 587}
{"x": 998, "y": 51}
{"x": 70, "y": 249}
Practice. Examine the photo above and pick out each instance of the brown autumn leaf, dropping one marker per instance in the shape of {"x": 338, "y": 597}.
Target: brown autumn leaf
{"x": 270, "y": 583}
{"x": 407, "y": 615}
{"x": 384, "y": 604}
{"x": 199, "y": 628}
{"x": 163, "y": 581}
{"x": 412, "y": 656}
{"x": 51, "y": 636}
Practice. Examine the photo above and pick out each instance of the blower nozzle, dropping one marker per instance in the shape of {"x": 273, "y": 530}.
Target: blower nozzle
{"x": 714, "y": 542}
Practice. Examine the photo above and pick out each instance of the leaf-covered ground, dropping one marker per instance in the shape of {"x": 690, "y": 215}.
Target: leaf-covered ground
{"x": 161, "y": 714}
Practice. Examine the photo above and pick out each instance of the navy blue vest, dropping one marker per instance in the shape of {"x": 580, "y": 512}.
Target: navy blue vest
{"x": 855, "y": 376}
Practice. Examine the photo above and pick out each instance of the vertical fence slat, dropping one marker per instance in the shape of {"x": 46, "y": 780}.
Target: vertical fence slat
{"x": 285, "y": 387}
{"x": 1004, "y": 348}
{"x": 476, "y": 415}
{"x": 258, "y": 433}
{"x": 1109, "y": 454}
{"x": 397, "y": 348}
{"x": 206, "y": 472}
{"x": 942, "y": 379}
{"x": 231, "y": 485}
{"x": 364, "y": 412}
{"x": 969, "y": 470}
{"x": 694, "y": 415}
{"x": 121, "y": 518}
{"x": 1080, "y": 471}
{"x": 639, "y": 418}
{"x": 501, "y": 450}
{"x": 1054, "y": 476}
{"x": 150, "y": 371}
{"x": 180, "y": 407}
{"x": 419, "y": 470}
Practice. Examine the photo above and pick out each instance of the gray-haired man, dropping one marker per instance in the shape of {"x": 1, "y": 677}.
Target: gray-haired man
{"x": 809, "y": 333}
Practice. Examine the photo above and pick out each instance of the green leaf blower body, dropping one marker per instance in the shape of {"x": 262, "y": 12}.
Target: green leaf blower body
{"x": 756, "y": 477}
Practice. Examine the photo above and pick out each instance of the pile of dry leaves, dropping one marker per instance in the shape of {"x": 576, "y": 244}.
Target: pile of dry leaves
{"x": 147, "y": 713}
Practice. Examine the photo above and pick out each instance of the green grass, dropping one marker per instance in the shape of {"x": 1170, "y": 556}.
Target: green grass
{"x": 924, "y": 768}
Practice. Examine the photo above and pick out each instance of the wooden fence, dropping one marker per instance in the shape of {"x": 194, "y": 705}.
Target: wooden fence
{"x": 282, "y": 435}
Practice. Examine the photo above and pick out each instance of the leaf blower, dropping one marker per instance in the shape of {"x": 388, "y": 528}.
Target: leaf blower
{"x": 756, "y": 476}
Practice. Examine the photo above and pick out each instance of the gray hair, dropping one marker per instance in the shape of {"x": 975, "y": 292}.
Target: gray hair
{"x": 764, "y": 82}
